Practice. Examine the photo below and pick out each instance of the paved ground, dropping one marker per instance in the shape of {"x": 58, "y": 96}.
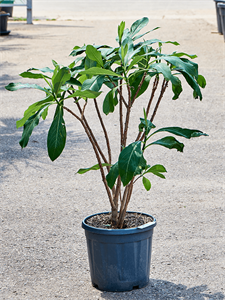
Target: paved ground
{"x": 43, "y": 249}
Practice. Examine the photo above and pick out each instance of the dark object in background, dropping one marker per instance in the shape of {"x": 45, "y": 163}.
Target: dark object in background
{"x": 3, "y": 23}
{"x": 219, "y": 24}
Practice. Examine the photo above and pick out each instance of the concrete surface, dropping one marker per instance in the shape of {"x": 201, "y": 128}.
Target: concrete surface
{"x": 43, "y": 248}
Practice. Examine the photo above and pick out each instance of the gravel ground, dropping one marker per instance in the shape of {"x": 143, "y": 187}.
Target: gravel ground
{"x": 43, "y": 248}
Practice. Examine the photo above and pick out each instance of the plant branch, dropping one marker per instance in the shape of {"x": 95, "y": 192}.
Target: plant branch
{"x": 121, "y": 95}
{"x": 127, "y": 117}
{"x": 104, "y": 130}
{"x": 139, "y": 87}
{"x": 163, "y": 88}
{"x": 140, "y": 136}
{"x": 121, "y": 116}
{"x": 91, "y": 133}
{"x": 72, "y": 113}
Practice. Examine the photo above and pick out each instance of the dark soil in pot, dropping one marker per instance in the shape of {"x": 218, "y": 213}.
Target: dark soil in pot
{"x": 131, "y": 220}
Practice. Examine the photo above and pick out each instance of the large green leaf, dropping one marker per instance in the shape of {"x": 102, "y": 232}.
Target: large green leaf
{"x": 184, "y": 132}
{"x": 93, "y": 84}
{"x": 89, "y": 63}
{"x": 62, "y": 76}
{"x": 94, "y": 54}
{"x": 112, "y": 175}
{"x": 193, "y": 84}
{"x": 33, "y": 108}
{"x": 134, "y": 82}
{"x": 85, "y": 94}
{"x": 169, "y": 142}
{"x": 33, "y": 75}
{"x": 110, "y": 102}
{"x": 30, "y": 124}
{"x": 74, "y": 81}
{"x": 138, "y": 25}
{"x": 56, "y": 135}
{"x": 17, "y": 86}
{"x": 93, "y": 168}
{"x": 162, "y": 68}
{"x": 183, "y": 64}
{"x": 99, "y": 71}
{"x": 129, "y": 160}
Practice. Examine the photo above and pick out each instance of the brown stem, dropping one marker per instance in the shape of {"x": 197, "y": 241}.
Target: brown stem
{"x": 164, "y": 86}
{"x": 139, "y": 87}
{"x": 121, "y": 117}
{"x": 72, "y": 113}
{"x": 154, "y": 88}
{"x": 97, "y": 156}
{"x": 127, "y": 117}
{"x": 104, "y": 130}
{"x": 92, "y": 134}
{"x": 127, "y": 200}
{"x": 100, "y": 165}
{"x": 121, "y": 95}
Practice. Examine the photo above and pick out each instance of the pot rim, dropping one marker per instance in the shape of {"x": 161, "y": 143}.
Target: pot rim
{"x": 5, "y": 14}
{"x": 142, "y": 228}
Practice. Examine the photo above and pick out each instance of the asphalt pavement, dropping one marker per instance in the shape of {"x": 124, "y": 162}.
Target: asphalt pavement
{"x": 43, "y": 247}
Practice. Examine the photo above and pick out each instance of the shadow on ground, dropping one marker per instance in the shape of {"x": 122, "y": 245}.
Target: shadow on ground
{"x": 166, "y": 290}
{"x": 36, "y": 151}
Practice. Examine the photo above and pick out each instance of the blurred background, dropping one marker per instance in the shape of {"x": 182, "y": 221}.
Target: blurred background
{"x": 115, "y": 9}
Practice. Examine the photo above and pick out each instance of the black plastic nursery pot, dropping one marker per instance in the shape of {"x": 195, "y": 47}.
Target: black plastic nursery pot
{"x": 7, "y": 9}
{"x": 3, "y": 24}
{"x": 219, "y": 24}
{"x": 119, "y": 259}
{"x": 221, "y": 7}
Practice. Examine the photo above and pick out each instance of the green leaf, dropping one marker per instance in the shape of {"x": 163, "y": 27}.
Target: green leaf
{"x": 201, "y": 81}
{"x": 193, "y": 84}
{"x": 157, "y": 170}
{"x": 120, "y": 30}
{"x": 146, "y": 183}
{"x": 99, "y": 71}
{"x": 29, "y": 126}
{"x": 184, "y": 132}
{"x": 33, "y": 108}
{"x": 138, "y": 25}
{"x": 141, "y": 166}
{"x": 141, "y": 35}
{"x": 62, "y": 76}
{"x": 183, "y": 64}
{"x": 89, "y": 63}
{"x": 176, "y": 87}
{"x": 74, "y": 81}
{"x": 179, "y": 54}
{"x": 162, "y": 68}
{"x": 56, "y": 135}
{"x": 146, "y": 125}
{"x": 129, "y": 160}
{"x": 110, "y": 102}
{"x": 169, "y": 142}
{"x": 94, "y": 54}
{"x": 112, "y": 175}
{"x": 93, "y": 84}
{"x": 85, "y": 94}
{"x": 134, "y": 82}
{"x": 33, "y": 75}
{"x": 16, "y": 86}
{"x": 93, "y": 168}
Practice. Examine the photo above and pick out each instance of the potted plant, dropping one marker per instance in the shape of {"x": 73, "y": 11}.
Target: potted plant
{"x": 119, "y": 79}
{"x": 4, "y": 14}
